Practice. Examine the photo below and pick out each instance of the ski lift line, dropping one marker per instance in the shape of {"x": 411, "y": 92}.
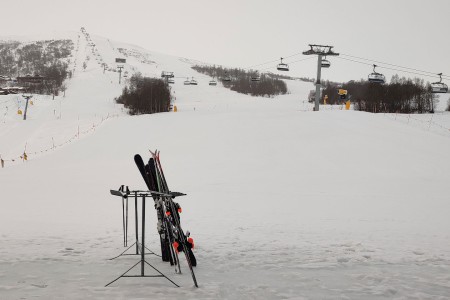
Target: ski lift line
{"x": 268, "y": 62}
{"x": 359, "y": 62}
{"x": 272, "y": 61}
{"x": 290, "y": 63}
{"x": 393, "y": 69}
{"x": 388, "y": 64}
{"x": 398, "y": 70}
{"x": 296, "y": 61}
{"x": 393, "y": 65}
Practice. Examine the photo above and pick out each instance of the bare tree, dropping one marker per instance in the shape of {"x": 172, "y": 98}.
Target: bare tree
{"x": 145, "y": 95}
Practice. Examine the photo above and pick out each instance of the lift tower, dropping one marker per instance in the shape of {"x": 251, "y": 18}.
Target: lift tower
{"x": 319, "y": 50}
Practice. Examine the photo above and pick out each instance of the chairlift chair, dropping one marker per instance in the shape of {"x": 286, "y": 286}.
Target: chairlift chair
{"x": 187, "y": 81}
{"x": 282, "y": 67}
{"x": 439, "y": 87}
{"x": 325, "y": 63}
{"x": 193, "y": 81}
{"x": 171, "y": 80}
{"x": 227, "y": 77}
{"x": 167, "y": 74}
{"x": 255, "y": 77}
{"x": 376, "y": 77}
{"x": 213, "y": 82}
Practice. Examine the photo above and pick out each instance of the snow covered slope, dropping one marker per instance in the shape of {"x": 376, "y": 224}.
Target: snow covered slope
{"x": 283, "y": 202}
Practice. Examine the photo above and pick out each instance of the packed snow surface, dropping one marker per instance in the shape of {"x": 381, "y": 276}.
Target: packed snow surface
{"x": 282, "y": 202}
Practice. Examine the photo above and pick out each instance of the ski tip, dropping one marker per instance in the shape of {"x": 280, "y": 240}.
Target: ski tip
{"x": 177, "y": 194}
{"x": 118, "y": 193}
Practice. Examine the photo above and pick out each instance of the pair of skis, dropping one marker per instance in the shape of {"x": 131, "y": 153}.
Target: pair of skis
{"x": 172, "y": 237}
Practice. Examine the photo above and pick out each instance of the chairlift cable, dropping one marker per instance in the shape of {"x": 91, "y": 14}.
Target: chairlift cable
{"x": 268, "y": 62}
{"x": 272, "y": 61}
{"x": 299, "y": 60}
{"x": 393, "y": 65}
{"x": 289, "y": 56}
{"x": 388, "y": 68}
{"x": 290, "y": 63}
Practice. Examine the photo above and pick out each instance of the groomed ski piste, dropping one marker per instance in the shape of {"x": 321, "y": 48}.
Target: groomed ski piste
{"x": 282, "y": 202}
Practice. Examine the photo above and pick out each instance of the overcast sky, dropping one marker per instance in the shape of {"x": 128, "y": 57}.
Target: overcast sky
{"x": 243, "y": 33}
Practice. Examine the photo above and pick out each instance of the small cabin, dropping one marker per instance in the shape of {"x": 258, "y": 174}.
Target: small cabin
{"x": 36, "y": 79}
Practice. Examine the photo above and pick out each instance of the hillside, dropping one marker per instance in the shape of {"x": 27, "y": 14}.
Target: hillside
{"x": 283, "y": 202}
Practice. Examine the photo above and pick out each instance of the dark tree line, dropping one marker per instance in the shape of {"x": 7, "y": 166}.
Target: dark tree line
{"x": 241, "y": 81}
{"x": 145, "y": 95}
{"x": 401, "y": 95}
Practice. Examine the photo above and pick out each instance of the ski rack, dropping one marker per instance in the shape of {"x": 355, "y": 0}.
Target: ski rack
{"x": 140, "y": 246}
{"x": 125, "y": 193}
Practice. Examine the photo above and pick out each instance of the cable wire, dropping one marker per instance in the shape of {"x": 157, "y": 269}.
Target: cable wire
{"x": 272, "y": 61}
{"x": 388, "y": 68}
{"x": 398, "y": 66}
{"x": 290, "y": 63}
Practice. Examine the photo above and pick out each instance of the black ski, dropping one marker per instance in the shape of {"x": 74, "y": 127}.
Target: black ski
{"x": 141, "y": 166}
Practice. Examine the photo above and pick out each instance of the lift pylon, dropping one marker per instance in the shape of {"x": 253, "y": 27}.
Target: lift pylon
{"x": 320, "y": 51}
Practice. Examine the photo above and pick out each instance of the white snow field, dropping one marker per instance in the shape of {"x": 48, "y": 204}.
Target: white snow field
{"x": 282, "y": 202}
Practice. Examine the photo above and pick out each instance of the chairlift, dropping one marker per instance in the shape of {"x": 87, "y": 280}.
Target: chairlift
{"x": 255, "y": 77}
{"x": 193, "y": 81}
{"x": 167, "y": 74}
{"x": 226, "y": 77}
{"x": 282, "y": 67}
{"x": 187, "y": 81}
{"x": 376, "y": 77}
{"x": 325, "y": 63}
{"x": 213, "y": 82}
{"x": 439, "y": 87}
{"x": 171, "y": 80}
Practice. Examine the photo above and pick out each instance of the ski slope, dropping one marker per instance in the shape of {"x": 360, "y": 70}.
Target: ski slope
{"x": 283, "y": 202}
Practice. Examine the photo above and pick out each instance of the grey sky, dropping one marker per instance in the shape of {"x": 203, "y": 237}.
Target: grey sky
{"x": 249, "y": 32}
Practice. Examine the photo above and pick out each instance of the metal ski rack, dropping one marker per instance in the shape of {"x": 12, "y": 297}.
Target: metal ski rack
{"x": 125, "y": 193}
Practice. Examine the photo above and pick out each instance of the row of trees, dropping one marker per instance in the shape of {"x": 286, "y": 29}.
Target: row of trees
{"x": 241, "y": 82}
{"x": 145, "y": 95}
{"x": 401, "y": 95}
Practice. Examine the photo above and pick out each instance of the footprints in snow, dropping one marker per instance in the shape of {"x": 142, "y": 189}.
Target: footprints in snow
{"x": 42, "y": 286}
{"x": 351, "y": 252}
{"x": 71, "y": 252}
